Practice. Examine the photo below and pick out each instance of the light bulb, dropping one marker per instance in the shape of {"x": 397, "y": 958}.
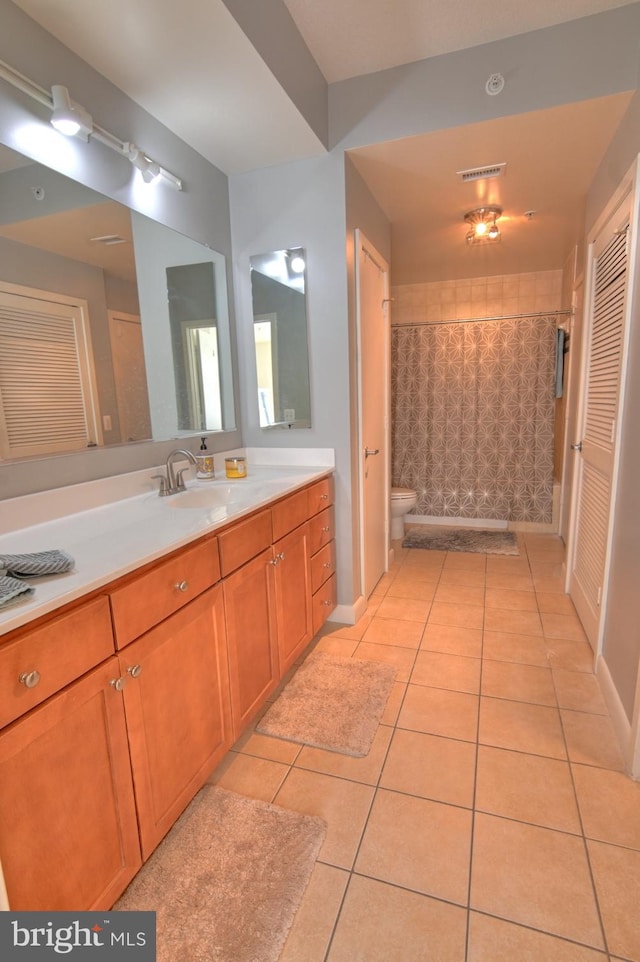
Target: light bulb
{"x": 481, "y": 229}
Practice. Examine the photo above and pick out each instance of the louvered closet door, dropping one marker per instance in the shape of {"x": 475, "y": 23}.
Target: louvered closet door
{"x": 46, "y": 396}
{"x": 605, "y": 329}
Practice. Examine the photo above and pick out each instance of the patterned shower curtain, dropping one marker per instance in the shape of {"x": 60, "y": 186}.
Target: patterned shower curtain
{"x": 473, "y": 417}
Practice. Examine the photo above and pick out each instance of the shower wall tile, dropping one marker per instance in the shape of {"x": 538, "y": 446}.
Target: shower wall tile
{"x": 525, "y": 293}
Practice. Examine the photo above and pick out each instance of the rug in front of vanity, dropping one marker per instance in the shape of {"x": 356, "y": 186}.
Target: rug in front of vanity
{"x": 475, "y": 540}
{"x": 333, "y": 703}
{"x": 227, "y": 880}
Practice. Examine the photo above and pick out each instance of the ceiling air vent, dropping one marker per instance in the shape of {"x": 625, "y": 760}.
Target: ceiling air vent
{"x": 108, "y": 239}
{"x": 482, "y": 173}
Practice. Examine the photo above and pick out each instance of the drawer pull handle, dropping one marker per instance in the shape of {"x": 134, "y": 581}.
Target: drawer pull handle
{"x": 326, "y": 528}
{"x": 182, "y": 586}
{"x": 135, "y": 671}
{"x": 29, "y": 678}
{"x": 118, "y": 683}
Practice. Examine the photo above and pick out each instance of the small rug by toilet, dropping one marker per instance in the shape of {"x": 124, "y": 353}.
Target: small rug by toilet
{"x": 332, "y": 702}
{"x": 227, "y": 880}
{"x": 475, "y": 540}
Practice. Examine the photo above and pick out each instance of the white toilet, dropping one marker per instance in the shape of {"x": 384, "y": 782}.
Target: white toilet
{"x": 402, "y": 501}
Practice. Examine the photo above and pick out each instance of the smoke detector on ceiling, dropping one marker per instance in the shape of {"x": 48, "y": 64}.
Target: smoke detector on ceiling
{"x": 495, "y": 84}
{"x": 482, "y": 173}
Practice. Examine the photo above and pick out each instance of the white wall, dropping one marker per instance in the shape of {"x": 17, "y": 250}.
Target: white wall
{"x": 302, "y": 205}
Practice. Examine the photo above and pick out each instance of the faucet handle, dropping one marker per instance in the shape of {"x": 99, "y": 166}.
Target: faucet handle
{"x": 180, "y": 485}
{"x": 163, "y": 484}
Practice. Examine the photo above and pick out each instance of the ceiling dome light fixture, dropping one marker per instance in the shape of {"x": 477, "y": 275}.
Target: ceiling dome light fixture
{"x": 483, "y": 226}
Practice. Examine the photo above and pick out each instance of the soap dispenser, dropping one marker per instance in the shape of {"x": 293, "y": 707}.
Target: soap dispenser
{"x": 205, "y": 470}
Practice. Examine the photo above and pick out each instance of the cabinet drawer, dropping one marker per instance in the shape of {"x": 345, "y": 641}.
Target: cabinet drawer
{"x": 289, "y": 514}
{"x": 323, "y": 565}
{"x": 59, "y": 651}
{"x": 244, "y": 541}
{"x": 321, "y": 530}
{"x": 319, "y": 496}
{"x": 149, "y": 598}
{"x": 324, "y": 601}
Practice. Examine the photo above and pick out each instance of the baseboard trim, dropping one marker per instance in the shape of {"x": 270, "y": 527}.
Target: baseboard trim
{"x": 621, "y": 724}
{"x": 349, "y": 614}
{"x": 458, "y": 522}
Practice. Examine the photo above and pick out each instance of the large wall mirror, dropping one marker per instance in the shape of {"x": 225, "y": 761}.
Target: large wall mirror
{"x": 113, "y": 328}
{"x": 278, "y": 291}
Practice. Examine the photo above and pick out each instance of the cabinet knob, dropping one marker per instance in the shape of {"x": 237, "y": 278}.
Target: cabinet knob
{"x": 281, "y": 556}
{"x": 326, "y": 528}
{"x": 327, "y": 603}
{"x": 182, "y": 586}
{"x": 327, "y": 564}
{"x": 29, "y": 678}
{"x": 275, "y": 561}
{"x": 324, "y": 497}
{"x": 118, "y": 683}
{"x": 135, "y": 671}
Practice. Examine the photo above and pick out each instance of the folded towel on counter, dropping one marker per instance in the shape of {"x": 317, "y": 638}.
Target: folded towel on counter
{"x": 37, "y": 563}
{"x": 12, "y": 590}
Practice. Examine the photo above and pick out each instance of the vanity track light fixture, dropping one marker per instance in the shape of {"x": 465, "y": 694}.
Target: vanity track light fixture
{"x": 68, "y": 117}
{"x": 72, "y": 120}
{"x": 149, "y": 169}
{"x": 483, "y": 227}
{"x": 296, "y": 262}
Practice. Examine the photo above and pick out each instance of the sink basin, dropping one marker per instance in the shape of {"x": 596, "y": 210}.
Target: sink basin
{"x": 218, "y": 494}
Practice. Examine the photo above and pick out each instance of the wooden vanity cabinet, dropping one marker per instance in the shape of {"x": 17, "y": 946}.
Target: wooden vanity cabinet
{"x": 322, "y": 550}
{"x": 68, "y": 828}
{"x": 251, "y": 637}
{"x": 101, "y": 754}
{"x": 175, "y": 681}
{"x": 176, "y": 699}
{"x": 292, "y": 595}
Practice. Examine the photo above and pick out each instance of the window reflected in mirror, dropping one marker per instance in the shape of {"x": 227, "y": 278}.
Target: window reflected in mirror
{"x": 278, "y": 290}
{"x": 194, "y": 335}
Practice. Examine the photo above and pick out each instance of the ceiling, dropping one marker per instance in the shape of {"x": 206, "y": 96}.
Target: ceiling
{"x": 551, "y": 157}
{"x": 352, "y": 37}
{"x": 191, "y": 66}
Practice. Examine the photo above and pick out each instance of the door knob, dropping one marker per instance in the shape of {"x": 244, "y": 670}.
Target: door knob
{"x": 577, "y": 446}
{"x": 369, "y": 451}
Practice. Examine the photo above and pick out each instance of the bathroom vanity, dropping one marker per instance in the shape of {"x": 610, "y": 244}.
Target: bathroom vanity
{"x": 120, "y": 694}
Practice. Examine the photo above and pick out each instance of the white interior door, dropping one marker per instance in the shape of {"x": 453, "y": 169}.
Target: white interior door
{"x": 605, "y": 329}
{"x": 127, "y": 353}
{"x": 372, "y": 285}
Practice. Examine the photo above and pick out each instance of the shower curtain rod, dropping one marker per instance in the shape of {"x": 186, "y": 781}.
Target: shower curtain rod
{"x": 475, "y": 320}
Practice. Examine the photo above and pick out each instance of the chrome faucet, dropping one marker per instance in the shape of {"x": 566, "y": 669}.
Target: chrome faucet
{"x": 174, "y": 482}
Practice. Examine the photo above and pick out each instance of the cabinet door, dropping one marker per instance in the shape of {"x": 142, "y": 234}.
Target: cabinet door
{"x": 292, "y": 584}
{"x": 176, "y": 698}
{"x": 253, "y": 654}
{"x": 68, "y": 829}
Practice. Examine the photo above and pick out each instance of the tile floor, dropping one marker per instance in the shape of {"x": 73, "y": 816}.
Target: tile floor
{"x": 491, "y": 820}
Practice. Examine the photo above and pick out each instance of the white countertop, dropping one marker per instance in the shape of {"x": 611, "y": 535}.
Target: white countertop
{"x": 121, "y": 530}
